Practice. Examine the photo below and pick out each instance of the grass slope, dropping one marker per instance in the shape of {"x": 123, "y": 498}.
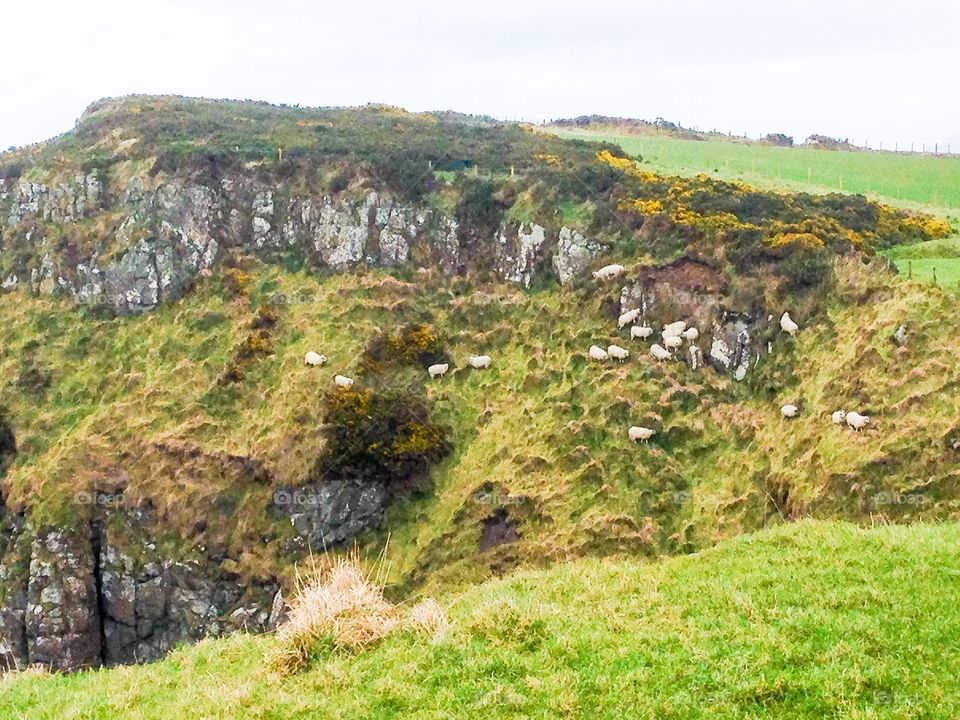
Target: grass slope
{"x": 922, "y": 182}
{"x": 541, "y": 436}
{"x": 811, "y": 620}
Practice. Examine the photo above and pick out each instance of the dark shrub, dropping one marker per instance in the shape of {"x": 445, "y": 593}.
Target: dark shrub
{"x": 379, "y": 436}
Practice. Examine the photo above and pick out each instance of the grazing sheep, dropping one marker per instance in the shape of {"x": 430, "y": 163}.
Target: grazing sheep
{"x": 640, "y": 331}
{"x": 343, "y": 381}
{"x": 617, "y": 352}
{"x": 628, "y": 317}
{"x": 690, "y": 334}
{"x": 479, "y": 361}
{"x": 788, "y": 325}
{"x": 608, "y": 271}
{"x": 438, "y": 370}
{"x": 660, "y": 352}
{"x": 640, "y": 433}
{"x": 673, "y": 341}
{"x": 312, "y": 358}
{"x": 788, "y": 411}
{"x": 838, "y": 416}
{"x": 856, "y": 420}
{"x": 673, "y": 329}
{"x": 598, "y": 353}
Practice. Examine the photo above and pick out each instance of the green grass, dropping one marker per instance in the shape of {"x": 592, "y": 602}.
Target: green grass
{"x": 810, "y": 620}
{"x": 921, "y": 182}
{"x": 932, "y": 181}
{"x": 933, "y": 260}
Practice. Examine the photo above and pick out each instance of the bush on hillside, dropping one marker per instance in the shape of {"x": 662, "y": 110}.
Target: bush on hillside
{"x": 382, "y": 436}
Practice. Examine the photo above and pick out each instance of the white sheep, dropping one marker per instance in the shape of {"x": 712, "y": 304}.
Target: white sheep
{"x": 640, "y": 433}
{"x": 312, "y": 358}
{"x": 598, "y": 353}
{"x": 608, "y": 271}
{"x": 788, "y": 411}
{"x": 838, "y": 416}
{"x": 856, "y": 420}
{"x": 438, "y": 370}
{"x": 660, "y": 352}
{"x": 618, "y": 353}
{"x": 343, "y": 381}
{"x": 628, "y": 317}
{"x": 788, "y": 325}
{"x": 479, "y": 361}
{"x": 640, "y": 331}
{"x": 690, "y": 334}
{"x": 673, "y": 341}
{"x": 673, "y": 329}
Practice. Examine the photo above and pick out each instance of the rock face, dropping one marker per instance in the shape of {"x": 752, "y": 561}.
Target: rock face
{"x": 689, "y": 290}
{"x": 73, "y": 600}
{"x": 169, "y": 235}
{"x": 333, "y": 511}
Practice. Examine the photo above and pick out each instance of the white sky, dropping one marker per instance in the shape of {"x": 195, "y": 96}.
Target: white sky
{"x": 868, "y": 70}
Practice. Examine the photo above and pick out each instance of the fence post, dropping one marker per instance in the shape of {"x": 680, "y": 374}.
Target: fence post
{"x": 909, "y": 269}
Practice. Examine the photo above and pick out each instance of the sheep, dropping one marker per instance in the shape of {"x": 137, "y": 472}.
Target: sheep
{"x": 628, "y": 317}
{"x": 856, "y": 420}
{"x": 788, "y": 411}
{"x": 312, "y": 358}
{"x": 690, "y": 334}
{"x": 673, "y": 341}
{"x": 608, "y": 271}
{"x": 479, "y": 361}
{"x": 617, "y": 352}
{"x": 640, "y": 433}
{"x": 438, "y": 370}
{"x": 598, "y": 353}
{"x": 343, "y": 381}
{"x": 788, "y": 325}
{"x": 838, "y": 416}
{"x": 673, "y": 329}
{"x": 660, "y": 352}
{"x": 640, "y": 331}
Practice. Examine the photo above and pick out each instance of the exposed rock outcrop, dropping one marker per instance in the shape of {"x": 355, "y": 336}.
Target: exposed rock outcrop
{"x": 690, "y": 290}
{"x": 169, "y": 235}
{"x": 72, "y": 600}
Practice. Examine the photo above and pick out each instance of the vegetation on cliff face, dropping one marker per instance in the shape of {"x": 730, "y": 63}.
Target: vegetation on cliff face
{"x": 811, "y": 620}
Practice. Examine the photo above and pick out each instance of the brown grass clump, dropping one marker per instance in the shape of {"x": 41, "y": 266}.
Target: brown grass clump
{"x": 343, "y": 606}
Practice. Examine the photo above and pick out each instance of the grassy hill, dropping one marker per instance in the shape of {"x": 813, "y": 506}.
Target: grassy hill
{"x": 812, "y": 620}
{"x": 926, "y": 182}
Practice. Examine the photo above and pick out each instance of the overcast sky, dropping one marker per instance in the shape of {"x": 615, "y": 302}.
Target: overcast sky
{"x": 865, "y": 70}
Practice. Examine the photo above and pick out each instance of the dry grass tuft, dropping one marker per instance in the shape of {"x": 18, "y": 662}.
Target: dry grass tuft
{"x": 346, "y": 607}
{"x": 428, "y": 617}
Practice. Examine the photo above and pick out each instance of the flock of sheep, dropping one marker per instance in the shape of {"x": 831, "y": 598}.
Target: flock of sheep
{"x": 672, "y": 336}
{"x": 478, "y": 362}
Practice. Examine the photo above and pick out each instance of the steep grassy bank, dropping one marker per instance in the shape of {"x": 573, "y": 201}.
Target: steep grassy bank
{"x": 812, "y": 620}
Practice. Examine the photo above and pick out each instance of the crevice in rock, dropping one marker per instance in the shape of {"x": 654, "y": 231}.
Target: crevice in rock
{"x": 96, "y": 548}
{"x": 156, "y": 271}
{"x": 8, "y": 445}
